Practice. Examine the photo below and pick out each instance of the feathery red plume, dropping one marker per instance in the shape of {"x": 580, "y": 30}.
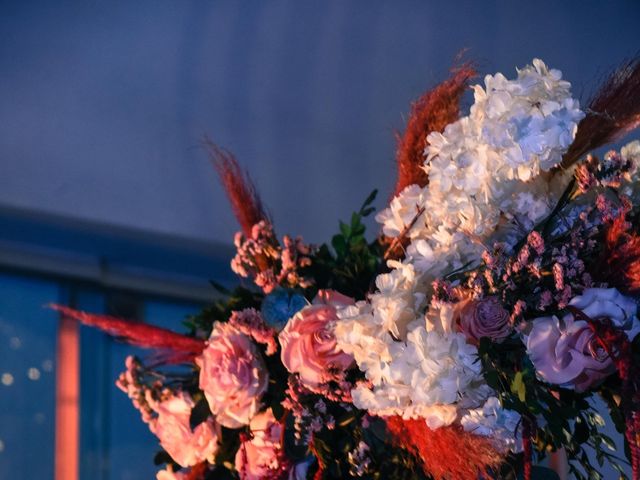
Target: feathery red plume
{"x": 613, "y": 112}
{"x": 433, "y": 111}
{"x": 447, "y": 452}
{"x": 242, "y": 194}
{"x": 620, "y": 261}
{"x": 182, "y": 348}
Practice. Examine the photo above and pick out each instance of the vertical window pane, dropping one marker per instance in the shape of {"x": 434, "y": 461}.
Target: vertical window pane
{"x": 27, "y": 377}
{"x": 95, "y": 389}
{"x": 132, "y": 446}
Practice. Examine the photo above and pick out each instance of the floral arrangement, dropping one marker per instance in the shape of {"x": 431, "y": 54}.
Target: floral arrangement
{"x": 465, "y": 341}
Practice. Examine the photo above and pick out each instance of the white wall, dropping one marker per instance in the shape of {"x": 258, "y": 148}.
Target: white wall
{"x": 102, "y": 104}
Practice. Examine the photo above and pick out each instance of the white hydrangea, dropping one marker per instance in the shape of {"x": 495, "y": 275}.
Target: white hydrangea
{"x": 631, "y": 153}
{"x": 495, "y": 422}
{"x": 530, "y": 121}
{"x": 402, "y": 210}
{"x": 489, "y": 181}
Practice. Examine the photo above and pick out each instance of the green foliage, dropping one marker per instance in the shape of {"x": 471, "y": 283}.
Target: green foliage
{"x": 200, "y": 412}
{"x": 351, "y": 262}
{"x": 220, "y": 310}
{"x": 221, "y": 473}
{"x": 162, "y": 458}
{"x": 229, "y": 443}
{"x": 385, "y": 460}
{"x": 278, "y": 376}
{"x": 569, "y": 420}
{"x": 543, "y": 473}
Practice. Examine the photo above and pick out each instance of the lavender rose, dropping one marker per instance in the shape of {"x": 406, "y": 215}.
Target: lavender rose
{"x": 568, "y": 354}
{"x": 609, "y": 303}
{"x": 309, "y": 345}
{"x": 232, "y": 376}
{"x": 187, "y": 447}
{"x": 483, "y": 318}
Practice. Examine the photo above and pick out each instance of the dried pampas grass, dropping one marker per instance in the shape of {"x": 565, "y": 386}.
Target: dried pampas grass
{"x": 243, "y": 196}
{"x": 432, "y": 112}
{"x": 612, "y": 112}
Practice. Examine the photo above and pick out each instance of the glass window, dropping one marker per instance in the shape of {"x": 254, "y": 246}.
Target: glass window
{"x": 27, "y": 377}
{"x": 100, "y": 430}
{"x": 116, "y": 444}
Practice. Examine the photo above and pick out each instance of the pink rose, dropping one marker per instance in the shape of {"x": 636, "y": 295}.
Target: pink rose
{"x": 309, "y": 345}
{"x": 232, "y": 376}
{"x": 262, "y": 455}
{"x": 567, "y": 354}
{"x": 331, "y": 297}
{"x": 483, "y": 318}
{"x": 187, "y": 447}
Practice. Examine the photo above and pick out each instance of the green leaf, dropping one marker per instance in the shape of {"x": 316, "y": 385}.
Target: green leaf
{"x": 161, "y": 458}
{"x": 346, "y": 419}
{"x": 219, "y": 287}
{"x": 368, "y": 201}
{"x": 339, "y": 244}
{"x": 518, "y": 387}
{"x": 199, "y": 413}
{"x": 229, "y": 444}
{"x": 355, "y": 220}
{"x": 277, "y": 409}
{"x": 581, "y": 431}
{"x": 344, "y": 229}
{"x": 608, "y": 442}
{"x": 543, "y": 473}
{"x": 220, "y": 472}
{"x": 367, "y": 211}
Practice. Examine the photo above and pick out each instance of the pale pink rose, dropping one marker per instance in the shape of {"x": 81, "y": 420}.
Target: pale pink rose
{"x": 262, "y": 455}
{"x": 567, "y": 353}
{"x": 169, "y": 474}
{"x": 483, "y": 318}
{"x": 187, "y": 447}
{"x": 232, "y": 376}
{"x": 309, "y": 345}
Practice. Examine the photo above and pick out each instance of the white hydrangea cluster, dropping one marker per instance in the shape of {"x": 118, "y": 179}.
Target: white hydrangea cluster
{"x": 489, "y": 180}
{"x": 421, "y": 376}
{"x": 477, "y": 166}
{"x": 631, "y": 153}
{"x": 493, "y": 421}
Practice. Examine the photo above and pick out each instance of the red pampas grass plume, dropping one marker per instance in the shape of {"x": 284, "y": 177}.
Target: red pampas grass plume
{"x": 612, "y": 113}
{"x": 433, "y": 111}
{"x": 448, "y": 452}
{"x": 242, "y": 194}
{"x": 180, "y": 347}
{"x": 620, "y": 261}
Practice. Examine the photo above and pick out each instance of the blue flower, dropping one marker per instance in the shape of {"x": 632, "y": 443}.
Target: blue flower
{"x": 280, "y": 305}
